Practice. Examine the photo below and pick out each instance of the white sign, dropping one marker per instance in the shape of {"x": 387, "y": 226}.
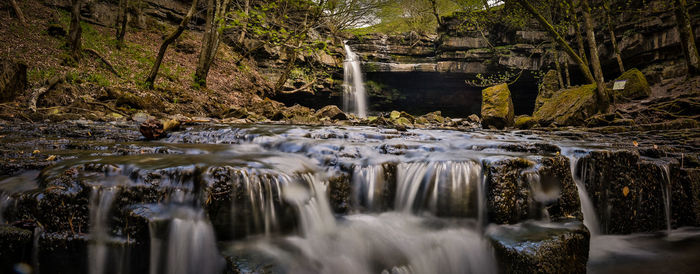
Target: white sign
{"x": 619, "y": 85}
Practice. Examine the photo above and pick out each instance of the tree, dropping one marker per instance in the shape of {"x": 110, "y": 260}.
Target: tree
{"x": 577, "y": 31}
{"x": 121, "y": 23}
{"x": 75, "y": 31}
{"x": 613, "y": 38}
{"x": 685, "y": 28}
{"x": 18, "y": 12}
{"x": 169, "y": 40}
{"x": 602, "y": 95}
{"x": 216, "y": 10}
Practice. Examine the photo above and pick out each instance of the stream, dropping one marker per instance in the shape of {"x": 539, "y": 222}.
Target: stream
{"x": 301, "y": 199}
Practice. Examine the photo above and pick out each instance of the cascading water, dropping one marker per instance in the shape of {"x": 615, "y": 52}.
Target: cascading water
{"x": 354, "y": 96}
{"x": 666, "y": 191}
{"x": 590, "y": 218}
{"x": 369, "y": 183}
{"x": 100, "y": 204}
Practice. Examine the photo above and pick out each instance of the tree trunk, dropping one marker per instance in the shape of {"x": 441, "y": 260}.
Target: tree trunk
{"x": 568, "y": 76}
{"x": 291, "y": 54}
{"x": 75, "y": 32}
{"x": 690, "y": 49}
{"x": 433, "y": 4}
{"x": 555, "y": 54}
{"x": 562, "y": 43}
{"x": 216, "y": 11}
{"x": 613, "y": 38}
{"x": 601, "y": 95}
{"x": 163, "y": 47}
{"x": 577, "y": 31}
{"x": 121, "y": 23}
{"x": 18, "y": 12}
{"x": 244, "y": 27}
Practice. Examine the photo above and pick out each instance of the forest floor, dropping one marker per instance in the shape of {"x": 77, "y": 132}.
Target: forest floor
{"x": 41, "y": 46}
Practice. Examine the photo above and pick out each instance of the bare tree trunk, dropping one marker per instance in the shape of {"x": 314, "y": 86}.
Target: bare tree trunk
{"x": 577, "y": 31}
{"x": 18, "y": 12}
{"x": 75, "y": 32}
{"x": 566, "y": 71}
{"x": 603, "y": 100}
{"x": 613, "y": 38}
{"x": 216, "y": 11}
{"x": 244, "y": 27}
{"x": 163, "y": 47}
{"x": 562, "y": 43}
{"x": 433, "y": 4}
{"x": 121, "y": 23}
{"x": 555, "y": 54}
{"x": 292, "y": 56}
{"x": 685, "y": 28}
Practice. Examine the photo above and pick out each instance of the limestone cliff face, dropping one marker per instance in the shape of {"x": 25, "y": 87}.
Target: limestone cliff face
{"x": 649, "y": 42}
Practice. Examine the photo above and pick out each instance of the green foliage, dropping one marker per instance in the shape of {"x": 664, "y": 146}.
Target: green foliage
{"x": 98, "y": 79}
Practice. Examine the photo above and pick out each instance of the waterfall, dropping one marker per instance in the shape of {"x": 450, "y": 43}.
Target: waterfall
{"x": 590, "y": 219}
{"x": 444, "y": 188}
{"x": 666, "y": 191}
{"x": 190, "y": 246}
{"x": 369, "y": 183}
{"x": 101, "y": 201}
{"x": 354, "y": 96}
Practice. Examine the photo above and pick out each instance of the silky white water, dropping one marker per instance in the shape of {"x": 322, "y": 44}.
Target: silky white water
{"x": 354, "y": 95}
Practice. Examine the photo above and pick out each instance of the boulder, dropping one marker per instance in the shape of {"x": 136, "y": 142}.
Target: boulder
{"x": 434, "y": 117}
{"x": 636, "y": 87}
{"x": 525, "y": 122}
{"x": 13, "y": 80}
{"x": 331, "y": 112}
{"x": 534, "y": 248}
{"x": 549, "y": 86}
{"x": 497, "y": 107}
{"x": 569, "y": 107}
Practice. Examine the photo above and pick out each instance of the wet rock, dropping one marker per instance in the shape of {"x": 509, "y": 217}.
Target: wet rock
{"x": 474, "y": 119}
{"x": 548, "y": 87}
{"x": 152, "y": 129}
{"x": 63, "y": 252}
{"x": 497, "y": 107}
{"x": 525, "y": 122}
{"x": 403, "y": 122}
{"x": 520, "y": 189}
{"x": 331, "y": 112}
{"x": 15, "y": 247}
{"x": 13, "y": 80}
{"x": 636, "y": 87}
{"x": 434, "y": 117}
{"x": 568, "y": 107}
{"x": 537, "y": 248}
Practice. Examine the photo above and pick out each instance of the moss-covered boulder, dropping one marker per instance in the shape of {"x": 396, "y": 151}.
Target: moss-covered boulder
{"x": 636, "y": 87}
{"x": 568, "y": 107}
{"x": 549, "y": 86}
{"x": 331, "y": 112}
{"x": 497, "y": 107}
{"x": 525, "y": 122}
{"x": 532, "y": 248}
{"x": 434, "y": 117}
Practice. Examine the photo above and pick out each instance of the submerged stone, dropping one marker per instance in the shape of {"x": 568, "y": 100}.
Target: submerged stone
{"x": 497, "y": 107}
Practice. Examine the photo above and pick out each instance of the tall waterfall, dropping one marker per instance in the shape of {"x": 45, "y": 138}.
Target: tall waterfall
{"x": 354, "y": 96}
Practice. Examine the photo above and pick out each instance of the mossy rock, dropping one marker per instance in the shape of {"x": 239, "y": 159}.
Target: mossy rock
{"x": 525, "y": 122}
{"x": 394, "y": 115}
{"x": 636, "y": 87}
{"x": 570, "y": 107}
{"x": 497, "y": 107}
{"x": 403, "y": 121}
{"x": 549, "y": 86}
{"x": 434, "y": 117}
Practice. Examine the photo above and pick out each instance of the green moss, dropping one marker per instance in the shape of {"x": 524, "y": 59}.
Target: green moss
{"x": 636, "y": 87}
{"x": 497, "y": 106}
{"x": 568, "y": 107}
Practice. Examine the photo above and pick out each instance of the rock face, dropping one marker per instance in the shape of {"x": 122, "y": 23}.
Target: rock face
{"x": 530, "y": 248}
{"x": 13, "y": 80}
{"x": 497, "y": 107}
{"x": 568, "y": 107}
{"x": 549, "y": 86}
{"x": 636, "y": 87}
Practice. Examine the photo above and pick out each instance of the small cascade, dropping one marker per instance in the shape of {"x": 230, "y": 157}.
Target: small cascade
{"x": 354, "y": 96}
{"x": 189, "y": 246}
{"x": 101, "y": 202}
{"x": 590, "y": 218}
{"x": 315, "y": 213}
{"x": 369, "y": 183}
{"x": 5, "y": 200}
{"x": 443, "y": 188}
{"x": 666, "y": 191}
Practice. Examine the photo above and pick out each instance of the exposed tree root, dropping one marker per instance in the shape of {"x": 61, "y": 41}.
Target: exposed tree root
{"x": 98, "y": 55}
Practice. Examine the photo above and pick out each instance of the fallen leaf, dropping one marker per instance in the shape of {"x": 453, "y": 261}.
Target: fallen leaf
{"x": 36, "y": 151}
{"x": 625, "y": 191}
{"x": 656, "y": 147}
{"x": 51, "y": 158}
{"x": 635, "y": 143}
